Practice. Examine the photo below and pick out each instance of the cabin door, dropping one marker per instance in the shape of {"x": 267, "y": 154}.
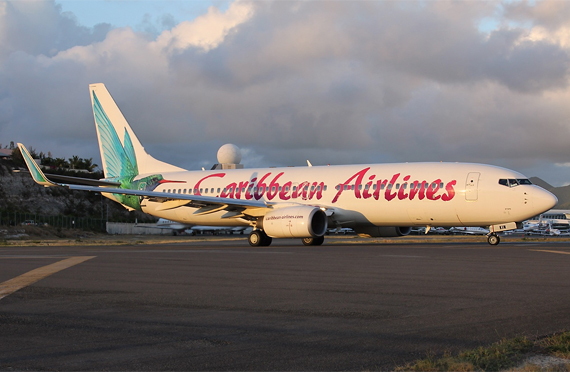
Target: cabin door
{"x": 471, "y": 185}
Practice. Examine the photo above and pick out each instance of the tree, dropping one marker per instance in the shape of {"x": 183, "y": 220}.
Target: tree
{"x": 17, "y": 158}
{"x": 74, "y": 162}
{"x": 88, "y": 164}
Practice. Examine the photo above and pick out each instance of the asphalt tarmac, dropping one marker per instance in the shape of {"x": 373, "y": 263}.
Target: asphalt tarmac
{"x": 223, "y": 305}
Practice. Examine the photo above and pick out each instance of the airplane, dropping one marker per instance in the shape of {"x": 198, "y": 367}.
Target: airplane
{"x": 375, "y": 200}
{"x": 471, "y": 230}
{"x": 179, "y": 228}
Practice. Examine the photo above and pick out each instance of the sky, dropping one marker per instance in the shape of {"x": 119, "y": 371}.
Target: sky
{"x": 335, "y": 82}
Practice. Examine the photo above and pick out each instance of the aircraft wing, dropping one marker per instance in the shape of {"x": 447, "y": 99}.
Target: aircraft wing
{"x": 206, "y": 204}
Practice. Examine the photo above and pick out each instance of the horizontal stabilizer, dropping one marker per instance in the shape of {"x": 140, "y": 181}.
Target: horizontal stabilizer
{"x": 82, "y": 181}
{"x": 54, "y": 179}
{"x": 34, "y": 168}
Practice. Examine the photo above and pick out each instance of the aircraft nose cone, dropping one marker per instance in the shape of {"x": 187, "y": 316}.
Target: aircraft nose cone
{"x": 543, "y": 200}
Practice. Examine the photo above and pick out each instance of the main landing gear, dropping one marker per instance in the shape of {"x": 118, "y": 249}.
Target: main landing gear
{"x": 258, "y": 238}
{"x": 313, "y": 241}
{"x": 493, "y": 239}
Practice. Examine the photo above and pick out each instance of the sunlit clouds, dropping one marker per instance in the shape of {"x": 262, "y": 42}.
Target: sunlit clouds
{"x": 334, "y": 82}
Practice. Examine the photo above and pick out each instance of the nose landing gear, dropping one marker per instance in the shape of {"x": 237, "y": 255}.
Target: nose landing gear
{"x": 493, "y": 239}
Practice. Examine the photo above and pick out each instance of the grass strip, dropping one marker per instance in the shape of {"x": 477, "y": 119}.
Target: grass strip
{"x": 506, "y": 354}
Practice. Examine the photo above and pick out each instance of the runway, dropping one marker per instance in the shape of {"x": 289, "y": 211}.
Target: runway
{"x": 223, "y": 305}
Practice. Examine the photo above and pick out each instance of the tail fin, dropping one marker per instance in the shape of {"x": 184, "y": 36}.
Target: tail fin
{"x": 124, "y": 158}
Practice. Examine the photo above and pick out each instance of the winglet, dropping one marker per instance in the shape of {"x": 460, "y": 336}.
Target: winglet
{"x": 34, "y": 168}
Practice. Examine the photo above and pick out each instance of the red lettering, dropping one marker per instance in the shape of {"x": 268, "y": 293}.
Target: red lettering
{"x": 261, "y": 187}
{"x": 197, "y": 186}
{"x": 433, "y": 189}
{"x": 388, "y": 195}
{"x": 317, "y": 189}
{"x": 359, "y": 176}
{"x": 301, "y": 190}
{"x": 366, "y": 192}
{"x": 248, "y": 195}
{"x": 414, "y": 188}
{"x": 450, "y": 191}
{"x": 228, "y": 191}
{"x": 273, "y": 188}
{"x": 379, "y": 185}
{"x": 401, "y": 193}
{"x": 241, "y": 188}
{"x": 284, "y": 193}
{"x": 423, "y": 188}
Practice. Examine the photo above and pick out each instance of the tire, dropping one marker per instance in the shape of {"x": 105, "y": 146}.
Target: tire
{"x": 493, "y": 239}
{"x": 313, "y": 241}
{"x": 258, "y": 238}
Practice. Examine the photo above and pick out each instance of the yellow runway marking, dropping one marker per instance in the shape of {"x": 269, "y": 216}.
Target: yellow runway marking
{"x": 544, "y": 250}
{"x": 24, "y": 280}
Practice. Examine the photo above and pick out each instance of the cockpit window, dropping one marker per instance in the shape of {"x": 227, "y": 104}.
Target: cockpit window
{"x": 512, "y": 182}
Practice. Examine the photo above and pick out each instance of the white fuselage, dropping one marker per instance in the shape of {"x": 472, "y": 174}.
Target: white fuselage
{"x": 404, "y": 194}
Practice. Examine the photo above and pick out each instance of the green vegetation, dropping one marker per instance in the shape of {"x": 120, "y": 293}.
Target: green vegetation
{"x": 557, "y": 345}
{"x": 503, "y": 355}
{"x": 73, "y": 163}
{"x": 22, "y": 200}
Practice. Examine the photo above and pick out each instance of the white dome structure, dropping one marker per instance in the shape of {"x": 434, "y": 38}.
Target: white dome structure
{"x": 229, "y": 154}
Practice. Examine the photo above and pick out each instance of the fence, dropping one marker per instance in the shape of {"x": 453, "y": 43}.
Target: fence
{"x": 118, "y": 228}
{"x": 64, "y": 222}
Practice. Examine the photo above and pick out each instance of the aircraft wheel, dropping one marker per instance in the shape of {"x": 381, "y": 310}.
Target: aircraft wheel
{"x": 313, "y": 241}
{"x": 493, "y": 239}
{"x": 258, "y": 238}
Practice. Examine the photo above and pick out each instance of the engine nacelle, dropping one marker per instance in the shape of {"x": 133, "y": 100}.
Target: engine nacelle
{"x": 295, "y": 222}
{"x": 383, "y": 231}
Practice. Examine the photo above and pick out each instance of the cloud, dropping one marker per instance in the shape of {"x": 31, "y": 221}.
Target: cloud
{"x": 205, "y": 32}
{"x": 334, "y": 82}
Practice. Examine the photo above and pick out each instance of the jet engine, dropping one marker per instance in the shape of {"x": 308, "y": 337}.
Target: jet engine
{"x": 295, "y": 222}
{"x": 383, "y": 231}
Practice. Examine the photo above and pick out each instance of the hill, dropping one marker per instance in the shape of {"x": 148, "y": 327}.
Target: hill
{"x": 562, "y": 192}
{"x": 22, "y": 199}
